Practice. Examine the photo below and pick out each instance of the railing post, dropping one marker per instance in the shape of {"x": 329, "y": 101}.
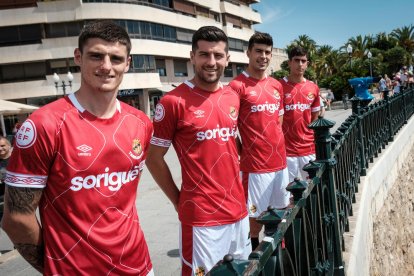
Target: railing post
{"x": 389, "y": 119}
{"x": 324, "y": 155}
{"x": 404, "y": 93}
{"x": 357, "y": 110}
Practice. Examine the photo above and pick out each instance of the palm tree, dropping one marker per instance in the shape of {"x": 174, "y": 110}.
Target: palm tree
{"x": 383, "y": 41}
{"x": 305, "y": 42}
{"x": 360, "y": 45}
{"x": 404, "y": 37}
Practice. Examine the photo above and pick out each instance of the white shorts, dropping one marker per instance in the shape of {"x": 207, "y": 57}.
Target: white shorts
{"x": 202, "y": 247}
{"x": 295, "y": 166}
{"x": 266, "y": 189}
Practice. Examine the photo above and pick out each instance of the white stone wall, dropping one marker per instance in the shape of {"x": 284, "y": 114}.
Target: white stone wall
{"x": 374, "y": 190}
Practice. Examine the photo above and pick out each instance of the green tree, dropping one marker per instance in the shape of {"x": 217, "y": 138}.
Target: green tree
{"x": 404, "y": 37}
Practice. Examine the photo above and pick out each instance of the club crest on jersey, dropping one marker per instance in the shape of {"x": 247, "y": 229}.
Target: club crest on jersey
{"x": 253, "y": 209}
{"x": 200, "y": 271}
{"x": 159, "y": 112}
{"x": 199, "y": 113}
{"x": 84, "y": 150}
{"x": 27, "y": 134}
{"x": 233, "y": 113}
{"x": 137, "y": 151}
{"x": 276, "y": 94}
{"x": 310, "y": 96}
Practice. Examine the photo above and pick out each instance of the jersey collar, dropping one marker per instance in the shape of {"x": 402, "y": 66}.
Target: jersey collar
{"x": 78, "y": 106}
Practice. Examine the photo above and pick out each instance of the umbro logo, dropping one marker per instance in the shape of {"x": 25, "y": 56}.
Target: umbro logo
{"x": 199, "y": 113}
{"x": 84, "y": 150}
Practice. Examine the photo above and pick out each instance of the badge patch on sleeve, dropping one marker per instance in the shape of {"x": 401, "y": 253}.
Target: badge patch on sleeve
{"x": 159, "y": 112}
{"x": 26, "y": 136}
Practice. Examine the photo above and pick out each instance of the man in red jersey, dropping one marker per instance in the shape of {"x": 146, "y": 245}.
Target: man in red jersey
{"x": 263, "y": 155}
{"x": 199, "y": 118}
{"x": 79, "y": 159}
{"x": 302, "y": 106}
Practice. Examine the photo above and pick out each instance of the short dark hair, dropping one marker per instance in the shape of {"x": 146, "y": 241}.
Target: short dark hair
{"x": 260, "y": 38}
{"x": 297, "y": 51}
{"x": 106, "y": 30}
{"x": 211, "y": 34}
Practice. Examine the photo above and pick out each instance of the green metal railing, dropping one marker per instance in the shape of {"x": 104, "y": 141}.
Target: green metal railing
{"x": 308, "y": 239}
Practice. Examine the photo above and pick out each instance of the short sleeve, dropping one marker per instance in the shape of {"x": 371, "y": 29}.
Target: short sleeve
{"x": 33, "y": 152}
{"x": 316, "y": 104}
{"x": 165, "y": 121}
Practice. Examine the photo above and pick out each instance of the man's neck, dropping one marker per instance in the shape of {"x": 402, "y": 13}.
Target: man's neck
{"x": 210, "y": 87}
{"x": 101, "y": 104}
{"x": 296, "y": 78}
{"x": 256, "y": 74}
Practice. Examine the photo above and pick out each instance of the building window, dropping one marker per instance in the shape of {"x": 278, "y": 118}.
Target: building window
{"x": 228, "y": 71}
{"x": 63, "y": 29}
{"x": 180, "y": 68}
{"x": 160, "y": 66}
{"x": 184, "y": 35}
{"x": 236, "y": 44}
{"x": 24, "y": 34}
{"x": 23, "y": 71}
{"x": 142, "y": 63}
{"x": 62, "y": 66}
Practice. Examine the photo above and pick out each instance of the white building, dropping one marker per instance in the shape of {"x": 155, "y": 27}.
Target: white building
{"x": 37, "y": 39}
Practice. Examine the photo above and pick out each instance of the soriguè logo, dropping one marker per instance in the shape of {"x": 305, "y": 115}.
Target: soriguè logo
{"x": 112, "y": 180}
{"x": 271, "y": 107}
{"x": 298, "y": 106}
{"x": 223, "y": 133}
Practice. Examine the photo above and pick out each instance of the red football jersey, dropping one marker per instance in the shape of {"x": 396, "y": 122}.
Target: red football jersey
{"x": 89, "y": 170}
{"x": 300, "y": 100}
{"x": 201, "y": 125}
{"x": 261, "y": 104}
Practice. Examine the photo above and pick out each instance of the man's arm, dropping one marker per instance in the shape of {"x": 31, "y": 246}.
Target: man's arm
{"x": 21, "y": 225}
{"x": 162, "y": 174}
{"x": 314, "y": 116}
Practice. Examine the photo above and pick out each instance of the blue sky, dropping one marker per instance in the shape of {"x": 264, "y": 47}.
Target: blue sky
{"x": 331, "y": 22}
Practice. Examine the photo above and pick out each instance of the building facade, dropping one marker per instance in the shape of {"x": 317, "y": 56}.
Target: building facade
{"x": 38, "y": 37}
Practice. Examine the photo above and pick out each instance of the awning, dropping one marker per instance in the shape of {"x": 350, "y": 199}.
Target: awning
{"x": 12, "y": 108}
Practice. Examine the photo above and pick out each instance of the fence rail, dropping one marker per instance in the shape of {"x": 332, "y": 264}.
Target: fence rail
{"x": 308, "y": 239}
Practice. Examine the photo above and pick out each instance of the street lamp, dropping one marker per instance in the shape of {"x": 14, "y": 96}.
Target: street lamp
{"x": 56, "y": 79}
{"x": 369, "y": 55}
{"x": 349, "y": 51}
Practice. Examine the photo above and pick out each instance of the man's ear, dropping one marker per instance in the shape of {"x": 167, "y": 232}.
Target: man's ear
{"x": 192, "y": 57}
{"x": 128, "y": 64}
{"x": 78, "y": 56}
{"x": 227, "y": 60}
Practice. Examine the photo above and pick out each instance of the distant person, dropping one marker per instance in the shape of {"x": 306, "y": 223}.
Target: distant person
{"x": 263, "y": 154}
{"x": 323, "y": 106}
{"x": 330, "y": 97}
{"x": 5, "y": 152}
{"x": 388, "y": 82}
{"x": 404, "y": 77}
{"x": 199, "y": 118}
{"x": 79, "y": 160}
{"x": 382, "y": 86}
{"x": 302, "y": 106}
{"x": 396, "y": 85}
